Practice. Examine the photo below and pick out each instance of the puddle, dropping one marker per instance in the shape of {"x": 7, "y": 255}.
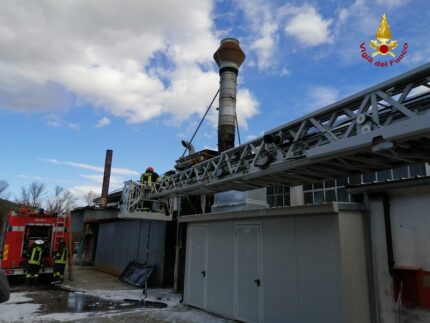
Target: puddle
{"x": 53, "y": 299}
{"x": 61, "y": 301}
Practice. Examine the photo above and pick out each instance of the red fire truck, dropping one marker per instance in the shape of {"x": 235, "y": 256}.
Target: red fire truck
{"x": 21, "y": 229}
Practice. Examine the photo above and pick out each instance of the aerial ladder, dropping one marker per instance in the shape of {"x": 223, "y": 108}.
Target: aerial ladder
{"x": 384, "y": 126}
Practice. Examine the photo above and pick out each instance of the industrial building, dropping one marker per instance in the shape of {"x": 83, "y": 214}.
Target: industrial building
{"x": 323, "y": 219}
{"x": 109, "y": 242}
{"x": 142, "y": 241}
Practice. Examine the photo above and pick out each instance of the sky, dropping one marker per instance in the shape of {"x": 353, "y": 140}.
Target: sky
{"x": 79, "y": 77}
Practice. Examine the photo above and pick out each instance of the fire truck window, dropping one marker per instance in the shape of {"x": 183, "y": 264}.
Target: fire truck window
{"x": 33, "y": 233}
{"x": 38, "y": 232}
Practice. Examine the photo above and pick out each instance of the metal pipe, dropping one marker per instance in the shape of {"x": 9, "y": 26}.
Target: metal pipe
{"x": 106, "y": 178}
{"x": 189, "y": 146}
{"x": 372, "y": 286}
{"x": 229, "y": 56}
{"x": 177, "y": 250}
{"x": 388, "y": 235}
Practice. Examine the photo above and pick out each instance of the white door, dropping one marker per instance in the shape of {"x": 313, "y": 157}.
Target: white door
{"x": 197, "y": 266}
{"x": 247, "y": 272}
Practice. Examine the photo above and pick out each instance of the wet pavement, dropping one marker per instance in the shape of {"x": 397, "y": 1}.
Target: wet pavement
{"x": 54, "y": 299}
{"x": 96, "y": 297}
{"x": 60, "y": 301}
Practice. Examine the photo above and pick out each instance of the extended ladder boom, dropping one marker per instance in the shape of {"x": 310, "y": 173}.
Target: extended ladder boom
{"x": 384, "y": 126}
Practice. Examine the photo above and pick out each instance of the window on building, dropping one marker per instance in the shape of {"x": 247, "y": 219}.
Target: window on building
{"x": 401, "y": 172}
{"x": 369, "y": 178}
{"x": 384, "y": 175}
{"x": 417, "y": 170}
{"x": 334, "y": 190}
{"x": 326, "y": 191}
{"x": 278, "y": 196}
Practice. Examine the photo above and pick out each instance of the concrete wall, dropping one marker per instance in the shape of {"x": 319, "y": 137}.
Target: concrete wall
{"x": 78, "y": 222}
{"x": 355, "y": 281}
{"x": 410, "y": 222}
{"x": 78, "y": 225}
{"x": 305, "y": 273}
{"x": 120, "y": 242}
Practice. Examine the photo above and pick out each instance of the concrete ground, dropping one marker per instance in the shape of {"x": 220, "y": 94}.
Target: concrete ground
{"x": 95, "y": 296}
{"x": 88, "y": 278}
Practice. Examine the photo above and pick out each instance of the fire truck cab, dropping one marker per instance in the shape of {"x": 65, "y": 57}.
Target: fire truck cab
{"x": 21, "y": 229}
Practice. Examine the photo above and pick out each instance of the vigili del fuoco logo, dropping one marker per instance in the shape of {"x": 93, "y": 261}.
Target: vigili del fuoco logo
{"x": 383, "y": 46}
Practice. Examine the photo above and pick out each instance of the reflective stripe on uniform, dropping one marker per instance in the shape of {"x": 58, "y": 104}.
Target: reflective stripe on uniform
{"x": 61, "y": 258}
{"x": 5, "y": 252}
{"x": 146, "y": 178}
{"x": 36, "y": 256}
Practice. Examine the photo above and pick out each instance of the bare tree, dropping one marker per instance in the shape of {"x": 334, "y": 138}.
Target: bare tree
{"x": 33, "y": 195}
{"x": 89, "y": 198}
{"x": 62, "y": 201}
{"x": 3, "y": 187}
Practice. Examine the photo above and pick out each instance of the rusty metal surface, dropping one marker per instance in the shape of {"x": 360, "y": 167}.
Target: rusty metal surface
{"x": 106, "y": 178}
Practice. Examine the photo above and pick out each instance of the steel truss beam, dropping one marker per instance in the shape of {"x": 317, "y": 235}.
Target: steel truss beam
{"x": 373, "y": 129}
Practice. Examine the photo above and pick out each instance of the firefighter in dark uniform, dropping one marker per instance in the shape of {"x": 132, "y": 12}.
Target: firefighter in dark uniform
{"x": 60, "y": 258}
{"x": 34, "y": 255}
{"x": 147, "y": 179}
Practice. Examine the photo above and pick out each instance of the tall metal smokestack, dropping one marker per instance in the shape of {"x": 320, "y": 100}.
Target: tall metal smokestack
{"x": 229, "y": 56}
{"x": 106, "y": 178}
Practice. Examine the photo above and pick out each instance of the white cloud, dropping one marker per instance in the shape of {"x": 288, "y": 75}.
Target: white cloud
{"x": 321, "y": 96}
{"x": 392, "y": 3}
{"x": 44, "y": 179}
{"x": 246, "y": 106}
{"x": 357, "y": 19}
{"x": 36, "y": 178}
{"x": 53, "y": 124}
{"x": 99, "y": 169}
{"x": 74, "y": 126}
{"x": 94, "y": 177}
{"x": 114, "y": 183}
{"x": 132, "y": 59}
{"x": 52, "y": 120}
{"x": 266, "y": 23}
{"x": 83, "y": 166}
{"x": 114, "y": 170}
{"x": 52, "y": 161}
{"x": 265, "y": 45}
{"x": 103, "y": 122}
{"x": 80, "y": 191}
{"x": 94, "y": 185}
{"x": 264, "y": 26}
{"x": 309, "y": 27}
